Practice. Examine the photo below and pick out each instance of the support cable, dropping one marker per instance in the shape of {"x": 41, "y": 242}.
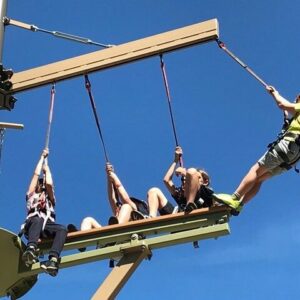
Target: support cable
{"x": 59, "y": 34}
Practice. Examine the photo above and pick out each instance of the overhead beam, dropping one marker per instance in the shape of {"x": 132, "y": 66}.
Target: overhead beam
{"x": 117, "y": 55}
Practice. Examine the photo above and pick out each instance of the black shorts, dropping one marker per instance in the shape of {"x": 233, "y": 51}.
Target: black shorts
{"x": 167, "y": 209}
{"x": 141, "y": 205}
{"x": 204, "y": 197}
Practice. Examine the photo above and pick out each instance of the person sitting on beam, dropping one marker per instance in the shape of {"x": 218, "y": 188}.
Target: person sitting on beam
{"x": 194, "y": 191}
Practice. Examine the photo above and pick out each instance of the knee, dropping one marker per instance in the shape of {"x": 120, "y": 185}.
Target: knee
{"x": 87, "y": 223}
{"x": 126, "y": 207}
{"x": 62, "y": 230}
{"x": 191, "y": 172}
{"x": 154, "y": 191}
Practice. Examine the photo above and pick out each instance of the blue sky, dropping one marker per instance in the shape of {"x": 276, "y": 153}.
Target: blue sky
{"x": 224, "y": 120}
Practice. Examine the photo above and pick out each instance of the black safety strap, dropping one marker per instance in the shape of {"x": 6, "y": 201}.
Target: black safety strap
{"x": 93, "y": 104}
{"x": 165, "y": 78}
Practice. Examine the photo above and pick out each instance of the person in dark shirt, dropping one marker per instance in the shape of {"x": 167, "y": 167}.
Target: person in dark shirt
{"x": 193, "y": 192}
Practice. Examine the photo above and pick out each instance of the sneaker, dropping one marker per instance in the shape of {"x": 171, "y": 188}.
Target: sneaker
{"x": 190, "y": 207}
{"x": 228, "y": 200}
{"x": 29, "y": 257}
{"x": 51, "y": 266}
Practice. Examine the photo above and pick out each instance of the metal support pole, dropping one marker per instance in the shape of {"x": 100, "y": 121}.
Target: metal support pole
{"x": 3, "y": 8}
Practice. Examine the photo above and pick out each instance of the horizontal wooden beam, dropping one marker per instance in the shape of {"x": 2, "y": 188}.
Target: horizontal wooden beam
{"x": 117, "y": 55}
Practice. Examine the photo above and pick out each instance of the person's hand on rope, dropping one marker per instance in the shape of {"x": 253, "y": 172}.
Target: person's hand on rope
{"x": 281, "y": 102}
{"x": 45, "y": 153}
{"x": 109, "y": 169}
{"x": 271, "y": 90}
{"x": 178, "y": 154}
{"x": 46, "y": 168}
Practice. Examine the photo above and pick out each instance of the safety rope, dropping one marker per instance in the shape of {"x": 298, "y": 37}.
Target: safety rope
{"x": 249, "y": 70}
{"x": 165, "y": 78}
{"x": 223, "y": 47}
{"x": 164, "y": 73}
{"x": 51, "y": 107}
{"x": 93, "y": 104}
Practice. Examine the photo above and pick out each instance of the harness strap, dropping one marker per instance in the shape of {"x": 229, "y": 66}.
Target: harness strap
{"x": 287, "y": 164}
{"x": 32, "y": 210}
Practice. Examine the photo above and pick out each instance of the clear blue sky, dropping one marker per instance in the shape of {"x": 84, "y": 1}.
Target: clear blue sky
{"x": 224, "y": 120}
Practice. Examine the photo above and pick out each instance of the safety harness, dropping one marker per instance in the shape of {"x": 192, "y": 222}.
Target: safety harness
{"x": 290, "y": 136}
{"x": 40, "y": 205}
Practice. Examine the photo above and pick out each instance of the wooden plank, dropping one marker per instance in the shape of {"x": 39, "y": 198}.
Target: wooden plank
{"x": 117, "y": 55}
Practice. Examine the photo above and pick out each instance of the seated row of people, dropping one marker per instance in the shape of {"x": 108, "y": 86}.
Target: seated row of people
{"x": 193, "y": 192}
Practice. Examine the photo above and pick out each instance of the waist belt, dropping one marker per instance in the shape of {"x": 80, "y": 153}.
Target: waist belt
{"x": 287, "y": 164}
{"x": 52, "y": 215}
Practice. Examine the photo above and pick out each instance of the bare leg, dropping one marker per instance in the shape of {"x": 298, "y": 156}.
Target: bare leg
{"x": 256, "y": 175}
{"x": 124, "y": 213}
{"x": 255, "y": 188}
{"x": 192, "y": 184}
{"x": 156, "y": 200}
{"x": 89, "y": 223}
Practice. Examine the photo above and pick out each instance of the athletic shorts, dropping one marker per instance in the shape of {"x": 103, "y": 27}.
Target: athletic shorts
{"x": 272, "y": 161}
{"x": 168, "y": 209}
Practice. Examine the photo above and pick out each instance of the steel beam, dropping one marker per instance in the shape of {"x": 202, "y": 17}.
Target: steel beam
{"x": 118, "y": 250}
{"x": 117, "y": 55}
{"x": 120, "y": 274}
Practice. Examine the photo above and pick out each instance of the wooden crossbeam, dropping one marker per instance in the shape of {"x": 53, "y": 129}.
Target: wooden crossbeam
{"x": 117, "y": 55}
